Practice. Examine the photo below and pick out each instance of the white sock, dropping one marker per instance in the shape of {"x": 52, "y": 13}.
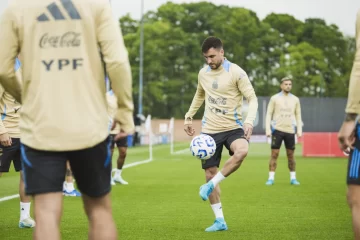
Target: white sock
{"x": 69, "y": 187}
{"x": 24, "y": 210}
{"x": 271, "y": 175}
{"x": 217, "y": 179}
{"x": 217, "y": 208}
{"x": 292, "y": 175}
{"x": 119, "y": 171}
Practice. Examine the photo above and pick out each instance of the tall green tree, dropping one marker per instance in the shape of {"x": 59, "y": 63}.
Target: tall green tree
{"x": 317, "y": 55}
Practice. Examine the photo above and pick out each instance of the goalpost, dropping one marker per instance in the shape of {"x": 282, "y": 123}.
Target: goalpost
{"x": 148, "y": 130}
{"x": 171, "y": 132}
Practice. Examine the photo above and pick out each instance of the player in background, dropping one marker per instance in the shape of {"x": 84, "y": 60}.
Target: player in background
{"x": 10, "y": 147}
{"x": 63, "y": 114}
{"x": 68, "y": 187}
{"x": 283, "y": 108}
{"x": 121, "y": 144}
{"x": 349, "y": 137}
{"x": 222, "y": 85}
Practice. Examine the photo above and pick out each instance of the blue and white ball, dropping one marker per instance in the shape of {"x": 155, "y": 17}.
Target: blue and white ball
{"x": 203, "y": 147}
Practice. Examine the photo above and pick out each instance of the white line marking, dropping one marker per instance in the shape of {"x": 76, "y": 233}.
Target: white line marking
{"x": 182, "y": 151}
{"x": 9, "y": 198}
{"x": 133, "y": 164}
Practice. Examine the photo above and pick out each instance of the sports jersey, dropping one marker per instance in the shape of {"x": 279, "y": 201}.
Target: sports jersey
{"x": 284, "y": 109}
{"x": 65, "y": 47}
{"x": 223, "y": 90}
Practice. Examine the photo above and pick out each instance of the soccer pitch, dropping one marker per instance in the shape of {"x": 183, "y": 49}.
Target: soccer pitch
{"x": 162, "y": 201}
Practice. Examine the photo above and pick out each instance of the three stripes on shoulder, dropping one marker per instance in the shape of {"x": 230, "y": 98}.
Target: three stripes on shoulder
{"x": 57, "y": 14}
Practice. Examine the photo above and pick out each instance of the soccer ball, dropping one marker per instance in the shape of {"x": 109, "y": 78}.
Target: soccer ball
{"x": 203, "y": 147}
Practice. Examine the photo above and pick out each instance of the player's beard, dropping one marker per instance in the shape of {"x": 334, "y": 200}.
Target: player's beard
{"x": 215, "y": 65}
{"x": 287, "y": 91}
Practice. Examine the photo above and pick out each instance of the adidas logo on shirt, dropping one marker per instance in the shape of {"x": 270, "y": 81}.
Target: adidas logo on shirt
{"x": 57, "y": 14}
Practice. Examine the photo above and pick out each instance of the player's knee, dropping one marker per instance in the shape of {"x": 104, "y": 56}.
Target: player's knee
{"x": 274, "y": 154}
{"x": 240, "y": 154}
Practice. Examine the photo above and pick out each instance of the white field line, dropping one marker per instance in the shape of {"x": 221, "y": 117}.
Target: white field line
{"x": 182, "y": 151}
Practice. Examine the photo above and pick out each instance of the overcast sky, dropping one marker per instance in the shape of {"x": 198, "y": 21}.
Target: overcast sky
{"x": 339, "y": 12}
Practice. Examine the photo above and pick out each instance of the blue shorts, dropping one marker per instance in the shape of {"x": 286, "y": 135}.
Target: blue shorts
{"x": 353, "y": 174}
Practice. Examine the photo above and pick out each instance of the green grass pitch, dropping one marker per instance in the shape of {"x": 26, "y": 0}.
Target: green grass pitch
{"x": 162, "y": 201}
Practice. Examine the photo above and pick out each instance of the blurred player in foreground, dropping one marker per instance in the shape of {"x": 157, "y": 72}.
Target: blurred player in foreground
{"x": 349, "y": 137}
{"x": 63, "y": 114}
{"x": 222, "y": 85}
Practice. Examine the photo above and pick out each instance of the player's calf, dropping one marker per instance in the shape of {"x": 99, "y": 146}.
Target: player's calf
{"x": 353, "y": 198}
{"x": 272, "y": 166}
{"x": 122, "y": 153}
{"x": 292, "y": 166}
{"x": 211, "y": 175}
{"x": 291, "y": 160}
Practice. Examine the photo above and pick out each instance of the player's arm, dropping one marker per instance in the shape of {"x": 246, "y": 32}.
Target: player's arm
{"x": 196, "y": 103}
{"x": 346, "y": 134}
{"x": 9, "y": 50}
{"x": 247, "y": 90}
{"x": 2, "y": 127}
{"x": 353, "y": 103}
{"x": 5, "y": 139}
{"x": 269, "y": 114}
{"x": 117, "y": 63}
{"x": 298, "y": 118}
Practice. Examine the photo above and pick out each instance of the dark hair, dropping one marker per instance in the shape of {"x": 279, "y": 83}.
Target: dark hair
{"x": 286, "y": 79}
{"x": 211, "y": 42}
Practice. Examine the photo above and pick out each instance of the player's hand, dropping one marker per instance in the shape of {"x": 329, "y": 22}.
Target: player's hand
{"x": 189, "y": 129}
{"x": 121, "y": 134}
{"x": 299, "y": 135}
{"x": 248, "y": 128}
{"x": 5, "y": 140}
{"x": 268, "y": 135}
{"x": 346, "y": 136}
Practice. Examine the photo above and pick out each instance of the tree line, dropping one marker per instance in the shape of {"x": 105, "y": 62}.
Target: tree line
{"x": 318, "y": 56}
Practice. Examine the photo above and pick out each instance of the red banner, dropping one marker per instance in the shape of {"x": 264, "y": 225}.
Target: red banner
{"x": 321, "y": 144}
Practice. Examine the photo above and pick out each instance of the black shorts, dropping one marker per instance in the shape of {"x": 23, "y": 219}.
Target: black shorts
{"x": 44, "y": 171}
{"x": 119, "y": 143}
{"x": 353, "y": 174}
{"x": 10, "y": 153}
{"x": 222, "y": 139}
{"x": 277, "y": 137}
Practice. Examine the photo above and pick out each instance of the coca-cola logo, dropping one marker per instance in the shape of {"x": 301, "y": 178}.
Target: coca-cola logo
{"x": 68, "y": 39}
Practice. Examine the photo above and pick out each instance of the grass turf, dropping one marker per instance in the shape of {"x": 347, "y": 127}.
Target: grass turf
{"x": 162, "y": 201}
